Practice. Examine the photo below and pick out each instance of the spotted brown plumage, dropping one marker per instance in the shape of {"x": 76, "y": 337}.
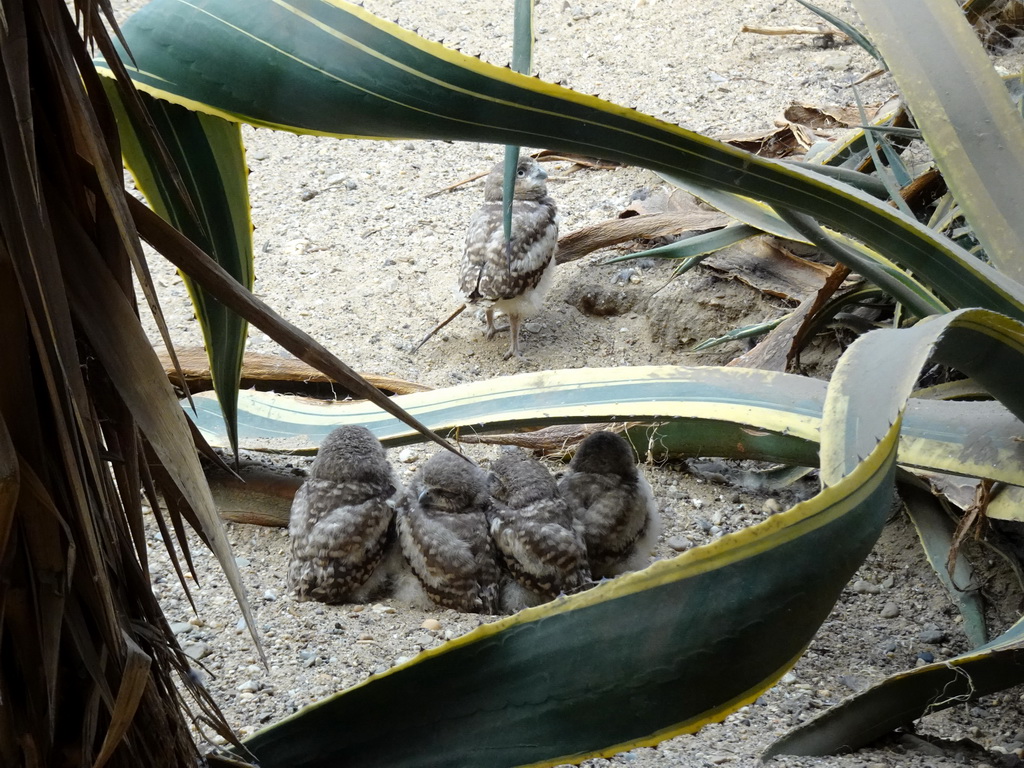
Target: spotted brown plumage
{"x": 442, "y": 529}
{"x": 340, "y": 519}
{"x": 613, "y": 503}
{"x": 511, "y": 281}
{"x": 533, "y": 528}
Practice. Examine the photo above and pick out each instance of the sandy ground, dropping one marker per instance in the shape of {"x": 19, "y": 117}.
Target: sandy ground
{"x": 351, "y": 247}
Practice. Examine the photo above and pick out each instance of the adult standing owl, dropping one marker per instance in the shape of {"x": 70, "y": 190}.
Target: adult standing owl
{"x": 442, "y": 529}
{"x": 534, "y": 530}
{"x": 340, "y": 518}
{"x": 512, "y": 281}
{"x": 614, "y": 504}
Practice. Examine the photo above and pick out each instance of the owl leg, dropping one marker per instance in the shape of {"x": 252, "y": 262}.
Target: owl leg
{"x": 491, "y": 330}
{"x": 514, "y": 323}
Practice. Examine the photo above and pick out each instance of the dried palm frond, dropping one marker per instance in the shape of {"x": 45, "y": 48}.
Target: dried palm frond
{"x": 90, "y": 673}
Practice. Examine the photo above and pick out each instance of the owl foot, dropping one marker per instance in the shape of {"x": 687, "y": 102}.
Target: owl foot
{"x": 514, "y": 323}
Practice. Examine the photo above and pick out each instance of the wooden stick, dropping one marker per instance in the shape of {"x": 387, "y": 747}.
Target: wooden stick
{"x": 438, "y": 327}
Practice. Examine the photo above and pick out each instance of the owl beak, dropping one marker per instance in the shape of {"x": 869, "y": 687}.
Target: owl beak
{"x": 541, "y": 173}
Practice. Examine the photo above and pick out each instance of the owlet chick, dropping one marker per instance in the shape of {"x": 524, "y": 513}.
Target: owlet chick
{"x": 614, "y": 504}
{"x": 534, "y": 529}
{"x": 442, "y": 529}
{"x": 513, "y": 283}
{"x": 340, "y": 518}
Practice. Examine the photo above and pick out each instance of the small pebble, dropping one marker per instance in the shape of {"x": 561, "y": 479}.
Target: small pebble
{"x": 241, "y": 562}
{"x": 259, "y": 154}
{"x": 308, "y": 194}
{"x": 926, "y": 656}
{"x": 181, "y": 627}
{"x": 197, "y": 651}
{"x": 381, "y": 608}
{"x": 408, "y": 456}
{"x": 249, "y": 686}
{"x": 865, "y": 587}
{"x": 678, "y": 543}
{"x": 432, "y": 624}
{"x": 270, "y": 595}
{"x": 890, "y": 611}
{"x": 771, "y": 507}
{"x": 932, "y": 636}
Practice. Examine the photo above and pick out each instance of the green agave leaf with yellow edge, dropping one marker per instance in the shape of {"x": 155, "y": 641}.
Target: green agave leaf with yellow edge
{"x": 678, "y": 645}
{"x": 333, "y": 68}
{"x": 631, "y": 662}
{"x": 989, "y": 348}
{"x": 706, "y": 411}
{"x": 964, "y": 112}
{"x": 906, "y": 696}
{"x": 208, "y": 152}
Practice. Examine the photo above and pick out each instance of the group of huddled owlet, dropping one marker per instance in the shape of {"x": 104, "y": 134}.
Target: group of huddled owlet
{"x": 462, "y": 537}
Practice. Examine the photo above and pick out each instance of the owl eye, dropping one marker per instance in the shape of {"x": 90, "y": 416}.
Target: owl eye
{"x": 521, "y": 172}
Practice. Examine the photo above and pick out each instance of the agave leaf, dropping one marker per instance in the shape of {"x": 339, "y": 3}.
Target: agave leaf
{"x": 961, "y": 106}
{"x": 214, "y": 215}
{"x": 694, "y": 247}
{"x": 846, "y": 28}
{"x": 1006, "y": 503}
{"x": 729, "y": 412}
{"x": 898, "y": 284}
{"x": 581, "y": 677}
{"x": 522, "y": 58}
{"x": 978, "y": 343}
{"x": 906, "y": 696}
{"x": 935, "y": 529}
{"x": 356, "y": 75}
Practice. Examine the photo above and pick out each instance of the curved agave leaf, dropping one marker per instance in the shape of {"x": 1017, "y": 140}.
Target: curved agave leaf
{"x": 356, "y": 75}
{"x": 632, "y": 662}
{"x": 729, "y": 412}
{"x": 692, "y": 248}
{"x": 903, "y": 286}
{"x": 208, "y": 152}
{"x": 978, "y": 343}
{"x": 961, "y": 105}
{"x": 936, "y": 531}
{"x": 908, "y": 695}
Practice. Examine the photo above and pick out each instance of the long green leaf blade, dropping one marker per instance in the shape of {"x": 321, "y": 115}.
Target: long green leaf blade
{"x": 961, "y": 106}
{"x": 208, "y": 151}
{"x": 357, "y": 75}
{"x": 631, "y": 662}
{"x": 729, "y": 412}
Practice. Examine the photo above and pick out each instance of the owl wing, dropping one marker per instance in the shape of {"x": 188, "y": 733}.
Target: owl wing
{"x": 545, "y": 556}
{"x": 335, "y": 547}
{"x": 452, "y": 557}
{"x": 613, "y": 514}
{"x": 488, "y": 273}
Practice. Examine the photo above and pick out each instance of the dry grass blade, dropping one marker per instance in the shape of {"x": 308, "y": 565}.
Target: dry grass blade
{"x": 438, "y": 327}
{"x": 133, "y": 685}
